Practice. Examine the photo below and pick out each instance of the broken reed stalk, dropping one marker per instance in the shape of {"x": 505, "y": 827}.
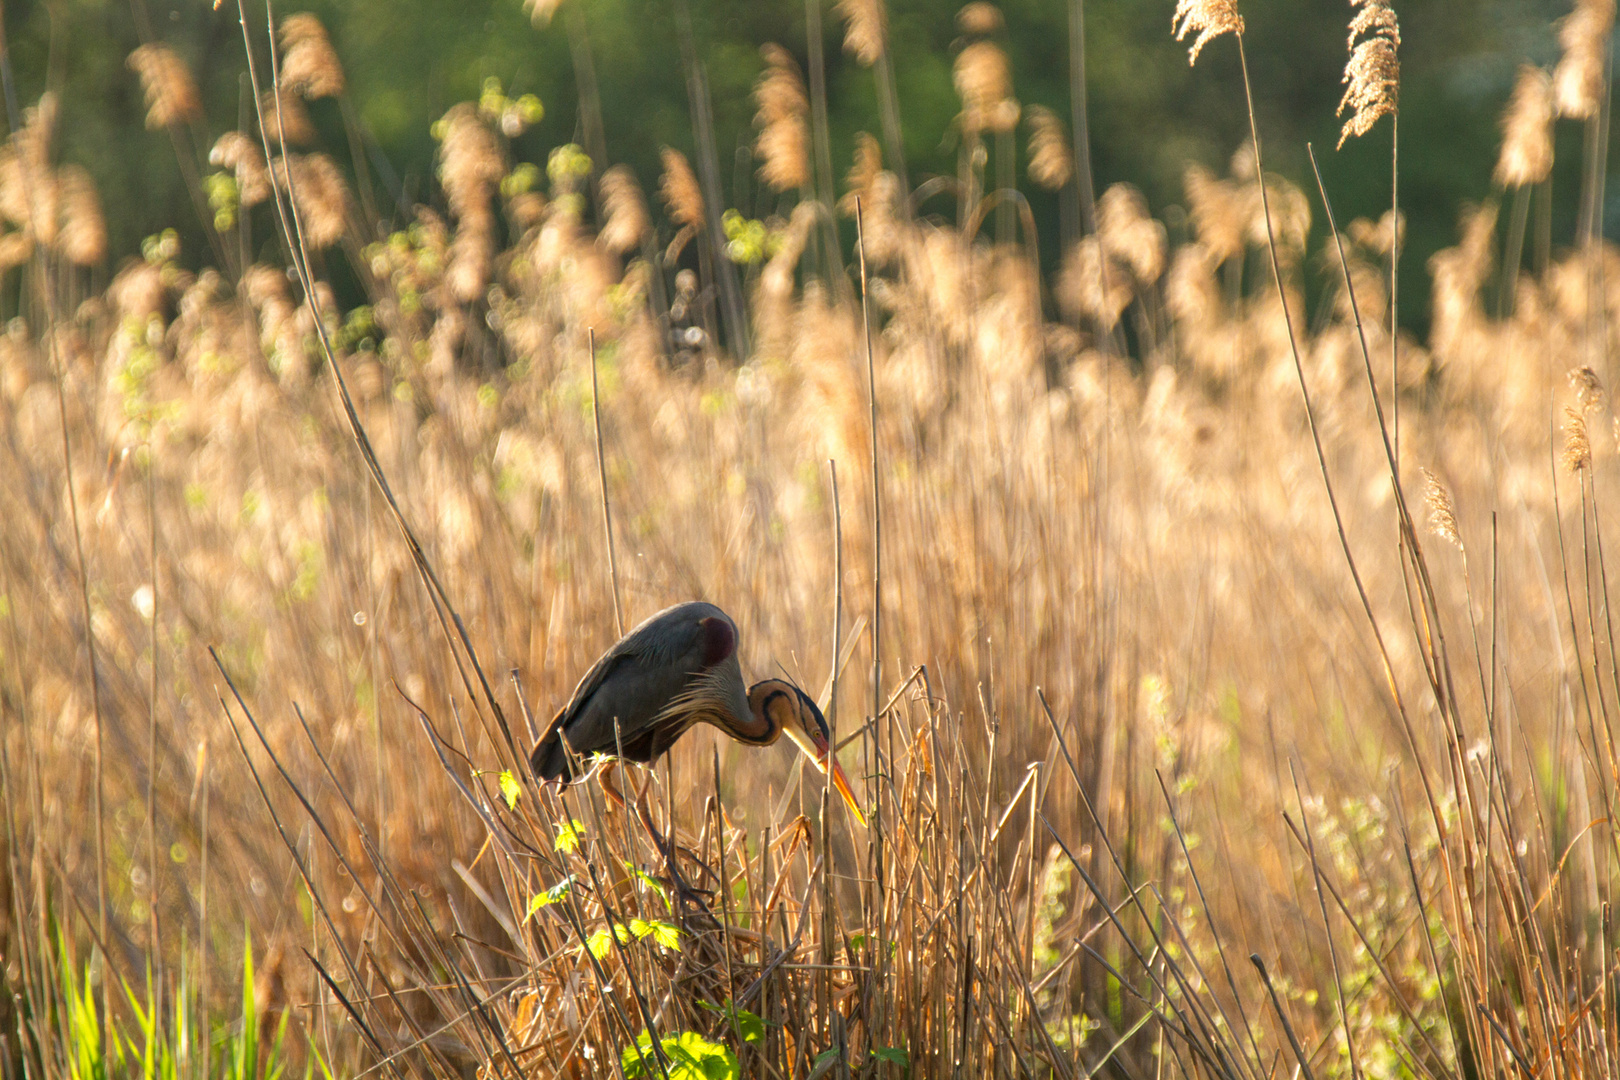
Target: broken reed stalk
{"x": 601, "y": 473}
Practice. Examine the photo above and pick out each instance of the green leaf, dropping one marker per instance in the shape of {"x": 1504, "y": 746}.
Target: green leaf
{"x": 568, "y": 836}
{"x": 893, "y": 1055}
{"x": 554, "y": 895}
{"x": 510, "y": 789}
{"x": 648, "y": 880}
{"x": 602, "y": 940}
{"x": 666, "y": 934}
{"x": 688, "y": 1056}
{"x": 749, "y": 1026}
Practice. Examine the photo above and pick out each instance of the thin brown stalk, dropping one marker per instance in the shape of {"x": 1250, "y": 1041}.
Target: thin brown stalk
{"x": 601, "y": 472}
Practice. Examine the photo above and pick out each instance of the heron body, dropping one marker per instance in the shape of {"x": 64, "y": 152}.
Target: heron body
{"x": 677, "y": 669}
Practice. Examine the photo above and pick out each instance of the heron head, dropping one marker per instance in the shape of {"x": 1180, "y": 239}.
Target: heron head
{"x": 784, "y": 709}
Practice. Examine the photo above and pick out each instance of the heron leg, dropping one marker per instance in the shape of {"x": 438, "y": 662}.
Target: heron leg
{"x": 670, "y": 850}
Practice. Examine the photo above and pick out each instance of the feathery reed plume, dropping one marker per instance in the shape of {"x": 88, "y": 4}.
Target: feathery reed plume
{"x": 980, "y": 19}
{"x": 1216, "y": 209}
{"x": 237, "y": 152}
{"x": 309, "y": 64}
{"x": 1577, "y": 445}
{"x": 1442, "y": 512}
{"x": 1085, "y": 289}
{"x": 322, "y": 196}
{"x": 16, "y": 248}
{"x": 624, "y": 210}
{"x": 1208, "y": 19}
{"x": 471, "y": 163}
{"x": 472, "y": 255}
{"x": 984, "y": 83}
{"x": 862, "y": 173}
{"x": 1588, "y": 387}
{"x": 284, "y": 114}
{"x": 784, "y": 137}
{"x": 1130, "y": 234}
{"x": 28, "y": 190}
{"x": 171, "y": 95}
{"x": 1051, "y": 162}
{"x": 1372, "y": 77}
{"x": 1457, "y": 273}
{"x": 83, "y": 237}
{"x": 1190, "y": 291}
{"x": 1578, "y": 78}
{"x": 866, "y": 28}
{"x": 1290, "y": 215}
{"x": 1527, "y": 147}
{"x": 1380, "y": 236}
{"x": 541, "y": 11}
{"x": 678, "y": 187}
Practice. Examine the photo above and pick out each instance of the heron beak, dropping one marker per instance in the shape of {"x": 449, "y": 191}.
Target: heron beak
{"x": 815, "y": 748}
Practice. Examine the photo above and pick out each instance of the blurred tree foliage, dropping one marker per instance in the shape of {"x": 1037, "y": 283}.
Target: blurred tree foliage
{"x": 408, "y": 61}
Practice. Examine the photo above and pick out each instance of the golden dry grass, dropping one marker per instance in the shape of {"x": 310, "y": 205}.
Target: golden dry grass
{"x": 1130, "y": 718}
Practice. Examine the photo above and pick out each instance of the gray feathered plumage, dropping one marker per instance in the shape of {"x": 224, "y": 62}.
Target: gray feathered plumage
{"x": 676, "y": 669}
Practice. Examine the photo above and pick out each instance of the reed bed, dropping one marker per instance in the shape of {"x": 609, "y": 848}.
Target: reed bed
{"x": 1204, "y": 726}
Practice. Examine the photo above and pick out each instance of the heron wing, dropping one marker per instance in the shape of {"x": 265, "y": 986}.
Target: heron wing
{"x": 632, "y": 683}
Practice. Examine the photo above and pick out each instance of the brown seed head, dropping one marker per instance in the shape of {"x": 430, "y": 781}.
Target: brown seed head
{"x": 1527, "y": 146}
{"x": 171, "y": 96}
{"x": 1372, "y": 77}
{"x": 286, "y": 116}
{"x": 1442, "y": 513}
{"x": 1290, "y": 214}
{"x": 1588, "y": 387}
{"x": 309, "y": 64}
{"x": 1578, "y": 78}
{"x": 784, "y": 137}
{"x": 471, "y": 162}
{"x": 1208, "y": 19}
{"x": 1092, "y": 285}
{"x": 624, "y": 210}
{"x": 1577, "y": 446}
{"x": 1216, "y": 209}
{"x": 983, "y": 82}
{"x": 679, "y": 189}
{"x": 241, "y": 154}
{"x": 866, "y": 28}
{"x": 1051, "y": 162}
{"x": 1130, "y": 234}
{"x": 980, "y": 19}
{"x": 320, "y": 193}
{"x": 83, "y": 236}
{"x": 858, "y": 181}
{"x": 1379, "y": 236}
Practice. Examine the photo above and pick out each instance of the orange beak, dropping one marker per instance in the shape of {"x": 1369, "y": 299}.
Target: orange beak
{"x": 815, "y": 748}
